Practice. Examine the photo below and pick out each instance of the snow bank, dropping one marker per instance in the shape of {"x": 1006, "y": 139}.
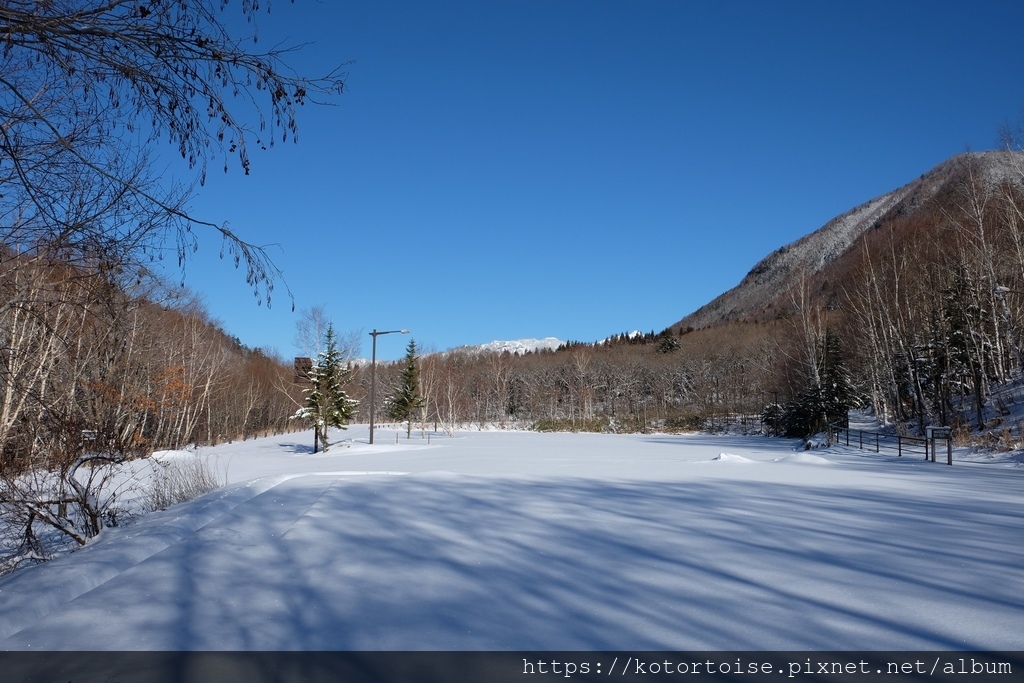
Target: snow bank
{"x": 729, "y": 457}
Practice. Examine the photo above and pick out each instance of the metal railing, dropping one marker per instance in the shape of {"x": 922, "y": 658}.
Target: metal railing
{"x": 893, "y": 443}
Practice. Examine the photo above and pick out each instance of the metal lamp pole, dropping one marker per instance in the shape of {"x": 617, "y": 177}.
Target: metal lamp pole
{"x": 373, "y": 374}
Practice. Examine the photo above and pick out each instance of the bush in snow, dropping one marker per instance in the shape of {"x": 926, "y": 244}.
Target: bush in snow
{"x": 48, "y": 511}
{"x": 43, "y": 510}
{"x": 178, "y": 481}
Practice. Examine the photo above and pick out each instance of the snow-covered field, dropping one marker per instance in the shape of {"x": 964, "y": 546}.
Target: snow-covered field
{"x": 527, "y": 541}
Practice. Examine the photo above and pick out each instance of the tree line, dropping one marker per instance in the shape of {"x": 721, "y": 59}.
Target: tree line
{"x": 921, "y": 327}
{"x": 98, "y": 361}
{"x": 920, "y": 322}
{"x": 86, "y": 365}
{"x": 668, "y": 381}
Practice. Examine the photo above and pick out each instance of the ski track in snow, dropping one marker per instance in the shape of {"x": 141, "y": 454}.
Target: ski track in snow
{"x": 528, "y": 541}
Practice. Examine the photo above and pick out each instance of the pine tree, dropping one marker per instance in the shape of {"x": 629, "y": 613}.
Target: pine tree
{"x": 826, "y": 400}
{"x": 327, "y": 404}
{"x": 406, "y": 402}
{"x": 967, "y": 322}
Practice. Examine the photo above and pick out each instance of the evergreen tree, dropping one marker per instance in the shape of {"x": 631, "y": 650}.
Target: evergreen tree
{"x": 772, "y": 417}
{"x": 968, "y": 324}
{"x": 838, "y": 391}
{"x": 327, "y": 404}
{"x": 404, "y": 404}
{"x": 826, "y": 401}
{"x": 667, "y": 343}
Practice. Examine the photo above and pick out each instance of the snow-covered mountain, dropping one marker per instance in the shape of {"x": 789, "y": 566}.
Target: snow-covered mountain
{"x": 515, "y": 347}
{"x": 766, "y": 287}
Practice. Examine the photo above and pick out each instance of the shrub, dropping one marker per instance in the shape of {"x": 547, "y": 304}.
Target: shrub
{"x": 178, "y": 481}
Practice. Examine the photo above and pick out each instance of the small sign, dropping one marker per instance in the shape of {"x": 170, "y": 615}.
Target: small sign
{"x": 938, "y": 432}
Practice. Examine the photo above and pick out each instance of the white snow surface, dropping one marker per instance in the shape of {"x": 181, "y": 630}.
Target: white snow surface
{"x": 529, "y": 541}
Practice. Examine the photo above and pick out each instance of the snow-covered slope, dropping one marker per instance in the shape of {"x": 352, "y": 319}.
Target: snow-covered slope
{"x": 778, "y": 272}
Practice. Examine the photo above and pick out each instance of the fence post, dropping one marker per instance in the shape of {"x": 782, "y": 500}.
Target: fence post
{"x": 876, "y": 442}
{"x": 860, "y": 434}
{"x": 899, "y": 445}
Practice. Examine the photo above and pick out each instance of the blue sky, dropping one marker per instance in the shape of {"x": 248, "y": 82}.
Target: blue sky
{"x": 501, "y": 170}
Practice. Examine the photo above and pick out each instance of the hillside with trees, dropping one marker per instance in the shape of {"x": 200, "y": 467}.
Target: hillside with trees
{"x": 910, "y": 305}
{"x": 917, "y": 318}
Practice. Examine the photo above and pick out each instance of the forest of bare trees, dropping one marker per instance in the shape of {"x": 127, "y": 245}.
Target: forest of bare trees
{"x": 926, "y": 324}
{"x": 636, "y": 383}
{"x": 936, "y": 301}
{"x": 90, "y": 349}
{"x": 919, "y": 321}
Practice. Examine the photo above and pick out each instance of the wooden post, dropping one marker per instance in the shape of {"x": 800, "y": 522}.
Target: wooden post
{"x": 876, "y": 442}
{"x": 949, "y": 450}
{"x": 899, "y": 445}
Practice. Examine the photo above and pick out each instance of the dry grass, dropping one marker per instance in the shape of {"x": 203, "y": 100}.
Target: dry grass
{"x": 178, "y": 481}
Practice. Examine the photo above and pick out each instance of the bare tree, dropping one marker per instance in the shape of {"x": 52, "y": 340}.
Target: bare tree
{"x": 87, "y": 85}
{"x": 88, "y": 88}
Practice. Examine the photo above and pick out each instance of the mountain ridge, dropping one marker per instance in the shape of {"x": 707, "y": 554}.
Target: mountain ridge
{"x": 781, "y": 270}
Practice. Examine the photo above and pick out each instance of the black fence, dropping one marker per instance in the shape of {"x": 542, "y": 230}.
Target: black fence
{"x": 894, "y": 443}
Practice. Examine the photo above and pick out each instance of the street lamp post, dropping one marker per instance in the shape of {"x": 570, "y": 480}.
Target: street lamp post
{"x": 373, "y": 374}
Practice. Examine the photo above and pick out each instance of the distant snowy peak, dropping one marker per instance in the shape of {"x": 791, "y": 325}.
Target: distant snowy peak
{"x": 515, "y": 347}
{"x": 629, "y": 335}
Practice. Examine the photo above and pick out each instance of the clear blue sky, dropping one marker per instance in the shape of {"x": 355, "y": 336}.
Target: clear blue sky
{"x": 501, "y": 170}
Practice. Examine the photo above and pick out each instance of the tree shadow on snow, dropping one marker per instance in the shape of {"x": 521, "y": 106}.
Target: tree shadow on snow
{"x": 482, "y": 563}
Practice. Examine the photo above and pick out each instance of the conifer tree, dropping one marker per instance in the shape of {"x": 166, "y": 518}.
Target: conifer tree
{"x": 825, "y": 400}
{"x": 838, "y": 394}
{"x": 327, "y": 403}
{"x": 403, "y": 405}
